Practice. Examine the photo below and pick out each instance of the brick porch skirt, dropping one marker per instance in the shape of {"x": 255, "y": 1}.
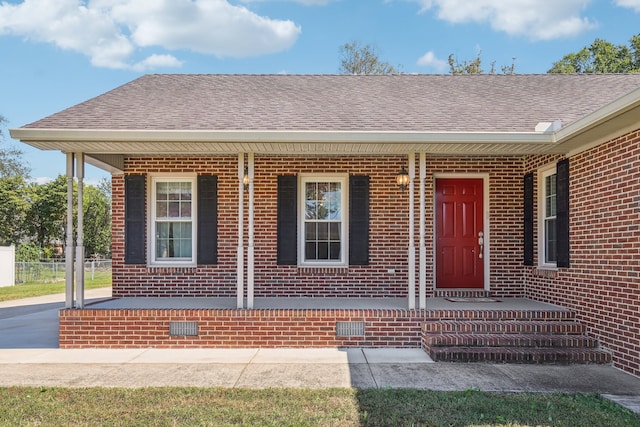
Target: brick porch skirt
{"x": 234, "y": 328}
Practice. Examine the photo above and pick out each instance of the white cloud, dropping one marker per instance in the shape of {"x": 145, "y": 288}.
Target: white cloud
{"x": 632, "y": 4}
{"x": 429, "y": 59}
{"x": 536, "y": 19}
{"x": 304, "y": 2}
{"x": 158, "y": 61}
{"x": 110, "y": 31}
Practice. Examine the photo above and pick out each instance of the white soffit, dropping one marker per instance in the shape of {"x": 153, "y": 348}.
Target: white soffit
{"x": 280, "y": 142}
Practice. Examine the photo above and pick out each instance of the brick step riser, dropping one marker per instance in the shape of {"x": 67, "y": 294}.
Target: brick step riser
{"x": 552, "y": 328}
{"x": 497, "y": 315}
{"x": 507, "y": 355}
{"x": 534, "y": 341}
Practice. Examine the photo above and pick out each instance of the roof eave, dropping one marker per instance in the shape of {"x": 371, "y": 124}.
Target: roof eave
{"x": 107, "y": 141}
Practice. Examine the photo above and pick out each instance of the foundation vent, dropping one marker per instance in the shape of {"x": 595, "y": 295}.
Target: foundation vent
{"x": 350, "y": 329}
{"x": 182, "y": 329}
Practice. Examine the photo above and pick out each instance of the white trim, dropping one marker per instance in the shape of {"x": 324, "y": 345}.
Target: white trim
{"x": 412, "y": 248}
{"x": 486, "y": 221}
{"x": 343, "y": 178}
{"x": 250, "y": 230}
{"x": 543, "y": 172}
{"x": 151, "y": 243}
{"x": 422, "y": 286}
{"x": 240, "y": 247}
{"x": 265, "y": 136}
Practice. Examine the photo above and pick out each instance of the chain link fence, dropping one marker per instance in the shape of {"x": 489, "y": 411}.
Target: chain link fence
{"x": 55, "y": 271}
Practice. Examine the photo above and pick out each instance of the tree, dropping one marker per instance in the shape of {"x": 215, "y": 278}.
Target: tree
{"x": 601, "y": 57}
{"x": 48, "y": 211}
{"x": 13, "y": 209}
{"x": 466, "y": 67}
{"x": 97, "y": 218}
{"x": 13, "y": 187}
{"x": 474, "y": 66}
{"x": 359, "y": 59}
{"x": 10, "y": 159}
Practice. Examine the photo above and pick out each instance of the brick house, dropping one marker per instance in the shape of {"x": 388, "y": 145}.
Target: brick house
{"x": 254, "y": 193}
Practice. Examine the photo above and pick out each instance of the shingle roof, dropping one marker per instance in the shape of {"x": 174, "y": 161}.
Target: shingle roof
{"x": 462, "y": 103}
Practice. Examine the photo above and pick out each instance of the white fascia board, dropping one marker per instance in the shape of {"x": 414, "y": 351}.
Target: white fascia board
{"x": 375, "y": 137}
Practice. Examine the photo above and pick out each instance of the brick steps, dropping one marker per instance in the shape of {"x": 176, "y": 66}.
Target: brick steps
{"x": 511, "y": 340}
{"x": 509, "y": 336}
{"x": 503, "y": 327}
{"x": 520, "y": 355}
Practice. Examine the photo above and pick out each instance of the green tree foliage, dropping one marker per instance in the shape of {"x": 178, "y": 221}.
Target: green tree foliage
{"x": 474, "y": 66}
{"x": 601, "y": 57}
{"x": 13, "y": 189}
{"x": 13, "y": 209}
{"x": 465, "y": 67}
{"x": 97, "y": 219}
{"x": 362, "y": 59}
{"x": 47, "y": 213}
{"x": 11, "y": 158}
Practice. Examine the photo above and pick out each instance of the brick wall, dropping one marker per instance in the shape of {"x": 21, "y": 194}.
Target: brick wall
{"x": 225, "y": 328}
{"x": 603, "y": 283}
{"x": 385, "y": 276}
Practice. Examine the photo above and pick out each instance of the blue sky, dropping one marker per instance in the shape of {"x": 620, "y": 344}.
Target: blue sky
{"x": 57, "y": 53}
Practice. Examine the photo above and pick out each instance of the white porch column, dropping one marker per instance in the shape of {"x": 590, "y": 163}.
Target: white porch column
{"x": 80, "y": 237}
{"x": 68, "y": 250}
{"x": 250, "y": 249}
{"x": 423, "y": 248}
{"x": 240, "y": 249}
{"x": 412, "y": 248}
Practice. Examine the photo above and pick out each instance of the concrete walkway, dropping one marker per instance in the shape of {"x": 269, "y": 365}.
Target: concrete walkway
{"x": 29, "y": 357}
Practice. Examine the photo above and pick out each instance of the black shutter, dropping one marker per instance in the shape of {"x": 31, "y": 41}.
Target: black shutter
{"x": 207, "y": 219}
{"x": 562, "y": 212}
{"x": 528, "y": 219}
{"x": 359, "y": 220}
{"x": 287, "y": 220}
{"x": 134, "y": 222}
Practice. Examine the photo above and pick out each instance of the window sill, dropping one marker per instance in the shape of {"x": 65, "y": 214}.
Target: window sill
{"x": 170, "y": 269}
{"x": 550, "y": 272}
{"x": 329, "y": 269}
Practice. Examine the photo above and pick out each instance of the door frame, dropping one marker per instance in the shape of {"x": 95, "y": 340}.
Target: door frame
{"x": 485, "y": 222}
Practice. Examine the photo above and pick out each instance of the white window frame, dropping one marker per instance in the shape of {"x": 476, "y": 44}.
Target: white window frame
{"x": 542, "y": 218}
{"x": 153, "y": 259}
{"x": 343, "y": 179}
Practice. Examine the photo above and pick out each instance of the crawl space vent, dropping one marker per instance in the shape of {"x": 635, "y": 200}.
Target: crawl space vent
{"x": 350, "y": 329}
{"x": 182, "y": 329}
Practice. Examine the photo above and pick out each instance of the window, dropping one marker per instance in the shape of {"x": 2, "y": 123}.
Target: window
{"x": 173, "y": 211}
{"x": 548, "y": 214}
{"x": 323, "y": 225}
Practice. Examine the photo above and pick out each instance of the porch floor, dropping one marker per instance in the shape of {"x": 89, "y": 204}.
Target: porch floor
{"x": 268, "y": 303}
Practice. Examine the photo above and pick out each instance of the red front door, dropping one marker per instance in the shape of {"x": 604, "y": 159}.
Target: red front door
{"x": 459, "y": 233}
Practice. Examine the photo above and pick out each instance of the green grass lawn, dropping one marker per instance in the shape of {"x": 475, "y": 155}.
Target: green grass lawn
{"x": 26, "y": 406}
{"x": 101, "y": 279}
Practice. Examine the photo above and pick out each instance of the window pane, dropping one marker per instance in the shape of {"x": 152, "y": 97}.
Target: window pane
{"x": 310, "y": 210}
{"x": 323, "y": 231}
{"x": 550, "y": 195}
{"x": 311, "y": 191}
{"x": 550, "y": 241}
{"x": 185, "y": 210}
{"x": 161, "y": 209}
{"x": 310, "y": 251}
{"x": 334, "y": 250}
{"x": 323, "y": 250}
{"x": 310, "y": 231}
{"x": 334, "y": 231}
